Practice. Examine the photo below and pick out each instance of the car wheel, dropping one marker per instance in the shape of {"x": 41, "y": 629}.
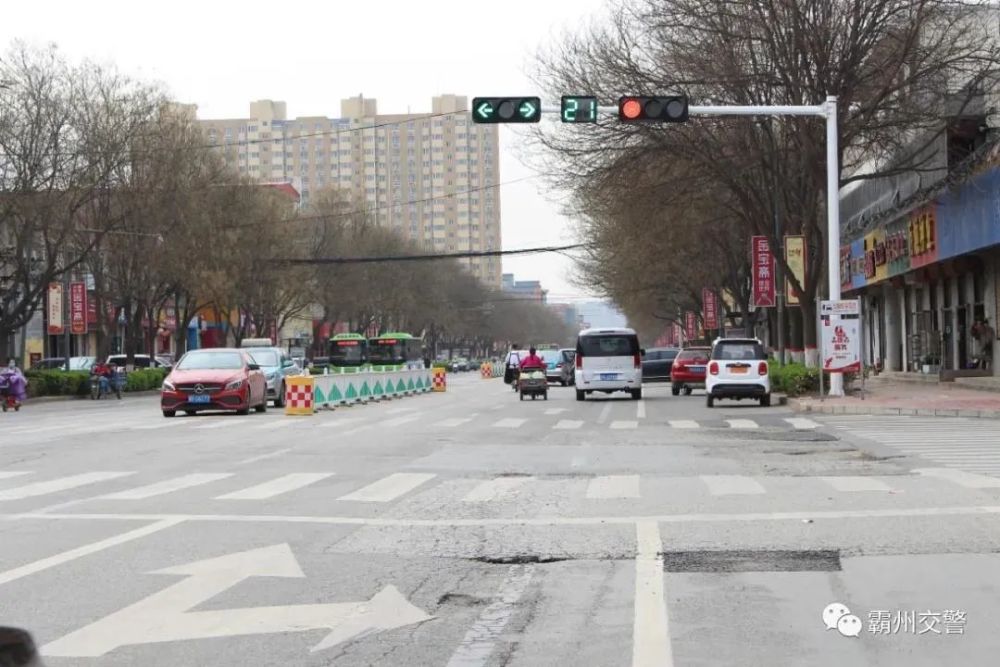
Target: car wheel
{"x": 169, "y": 413}
{"x": 562, "y": 383}
{"x": 521, "y": 395}
{"x": 545, "y": 396}
{"x": 709, "y": 401}
{"x": 636, "y": 394}
{"x": 280, "y": 401}
{"x": 580, "y": 395}
{"x": 765, "y": 401}
{"x": 687, "y": 391}
{"x": 675, "y": 390}
{"x": 263, "y": 404}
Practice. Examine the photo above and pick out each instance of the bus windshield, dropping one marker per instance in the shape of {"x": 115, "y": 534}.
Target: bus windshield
{"x": 386, "y": 352}
{"x": 349, "y": 352}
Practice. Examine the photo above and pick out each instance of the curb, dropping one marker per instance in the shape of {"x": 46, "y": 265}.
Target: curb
{"x": 799, "y": 406}
{"x": 57, "y": 399}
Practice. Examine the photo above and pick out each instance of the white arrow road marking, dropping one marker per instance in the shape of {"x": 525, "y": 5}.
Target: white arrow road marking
{"x": 164, "y": 616}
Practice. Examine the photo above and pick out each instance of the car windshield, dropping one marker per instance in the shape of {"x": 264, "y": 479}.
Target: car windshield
{"x": 609, "y": 345}
{"x": 693, "y": 355}
{"x": 266, "y": 358}
{"x": 550, "y": 356}
{"x": 738, "y": 351}
{"x": 211, "y": 361}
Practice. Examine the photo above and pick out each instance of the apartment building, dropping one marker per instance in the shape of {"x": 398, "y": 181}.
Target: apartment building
{"x": 432, "y": 176}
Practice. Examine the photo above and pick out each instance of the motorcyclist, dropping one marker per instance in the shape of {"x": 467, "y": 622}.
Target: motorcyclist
{"x": 532, "y": 361}
{"x": 104, "y": 373}
{"x": 15, "y": 384}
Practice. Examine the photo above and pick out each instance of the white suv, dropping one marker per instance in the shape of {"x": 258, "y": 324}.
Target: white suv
{"x": 738, "y": 369}
{"x": 608, "y": 360}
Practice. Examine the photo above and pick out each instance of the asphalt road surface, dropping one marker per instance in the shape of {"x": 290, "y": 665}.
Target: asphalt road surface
{"x": 468, "y": 529}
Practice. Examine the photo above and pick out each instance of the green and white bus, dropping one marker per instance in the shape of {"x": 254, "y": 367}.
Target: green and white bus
{"x": 348, "y": 353}
{"x": 396, "y": 350}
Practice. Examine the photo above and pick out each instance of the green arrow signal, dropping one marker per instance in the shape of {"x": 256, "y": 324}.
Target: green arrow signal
{"x": 485, "y": 110}
{"x": 527, "y": 109}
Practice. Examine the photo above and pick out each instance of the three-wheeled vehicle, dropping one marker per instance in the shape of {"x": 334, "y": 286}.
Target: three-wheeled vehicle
{"x": 532, "y": 382}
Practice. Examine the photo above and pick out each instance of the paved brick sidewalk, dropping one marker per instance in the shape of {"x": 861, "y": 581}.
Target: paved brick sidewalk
{"x": 907, "y": 398}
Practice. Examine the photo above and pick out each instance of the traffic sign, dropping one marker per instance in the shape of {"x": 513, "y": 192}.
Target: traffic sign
{"x": 664, "y": 108}
{"x": 506, "y": 109}
{"x": 578, "y": 109}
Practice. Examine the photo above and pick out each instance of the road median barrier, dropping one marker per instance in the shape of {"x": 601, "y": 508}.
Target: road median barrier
{"x": 336, "y": 389}
{"x": 299, "y": 395}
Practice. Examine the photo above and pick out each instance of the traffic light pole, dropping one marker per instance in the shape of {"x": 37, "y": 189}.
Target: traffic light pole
{"x": 827, "y": 111}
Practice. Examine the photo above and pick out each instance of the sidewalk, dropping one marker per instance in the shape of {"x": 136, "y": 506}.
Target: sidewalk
{"x": 907, "y": 398}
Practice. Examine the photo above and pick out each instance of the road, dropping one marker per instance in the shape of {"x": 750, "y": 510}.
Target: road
{"x": 468, "y": 529}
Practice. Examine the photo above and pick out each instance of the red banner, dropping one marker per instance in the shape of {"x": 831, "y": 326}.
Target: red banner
{"x": 91, "y": 310}
{"x": 55, "y": 309}
{"x": 764, "y": 293}
{"x": 690, "y": 325}
{"x": 78, "y": 308}
{"x": 709, "y": 309}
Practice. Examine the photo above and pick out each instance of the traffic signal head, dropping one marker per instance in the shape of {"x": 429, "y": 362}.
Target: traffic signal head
{"x": 506, "y": 109}
{"x": 665, "y": 109}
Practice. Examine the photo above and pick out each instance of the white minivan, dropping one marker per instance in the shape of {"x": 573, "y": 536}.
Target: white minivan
{"x": 608, "y": 360}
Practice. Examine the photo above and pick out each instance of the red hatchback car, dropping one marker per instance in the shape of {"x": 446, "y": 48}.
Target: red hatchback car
{"x": 214, "y": 379}
{"x": 688, "y": 370}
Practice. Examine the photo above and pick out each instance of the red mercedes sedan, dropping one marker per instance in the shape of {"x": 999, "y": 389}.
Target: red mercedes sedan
{"x": 688, "y": 370}
{"x": 214, "y": 379}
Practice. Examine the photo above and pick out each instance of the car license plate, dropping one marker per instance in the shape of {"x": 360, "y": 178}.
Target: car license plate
{"x": 200, "y": 398}
{"x": 696, "y": 369}
{"x": 609, "y": 376}
{"x": 739, "y": 370}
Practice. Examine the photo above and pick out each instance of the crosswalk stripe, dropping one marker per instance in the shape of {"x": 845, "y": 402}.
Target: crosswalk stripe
{"x": 275, "y": 424}
{"x": 960, "y": 477}
{"x": 167, "y": 486}
{"x": 568, "y": 424}
{"x": 742, "y": 423}
{"x": 389, "y": 488}
{"x": 495, "y": 489}
{"x": 624, "y": 424}
{"x": 399, "y": 421}
{"x": 340, "y": 422}
{"x": 852, "y": 484}
{"x": 452, "y": 422}
{"x": 802, "y": 423}
{"x": 277, "y": 486}
{"x": 640, "y": 410}
{"x": 725, "y": 485}
{"x": 555, "y": 411}
{"x": 683, "y": 423}
{"x": 59, "y": 484}
{"x": 7, "y": 474}
{"x": 510, "y": 422}
{"x": 614, "y": 486}
{"x": 215, "y": 424}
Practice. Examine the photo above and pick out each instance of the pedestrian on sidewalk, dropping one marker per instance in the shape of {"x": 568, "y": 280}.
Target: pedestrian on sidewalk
{"x": 984, "y": 335}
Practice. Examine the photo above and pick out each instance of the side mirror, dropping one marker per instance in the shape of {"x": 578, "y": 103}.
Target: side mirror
{"x": 253, "y": 367}
{"x": 288, "y": 363}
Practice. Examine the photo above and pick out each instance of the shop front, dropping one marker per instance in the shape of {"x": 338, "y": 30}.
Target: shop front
{"x": 927, "y": 278}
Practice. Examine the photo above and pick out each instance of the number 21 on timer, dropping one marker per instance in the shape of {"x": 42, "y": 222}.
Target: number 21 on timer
{"x": 577, "y": 109}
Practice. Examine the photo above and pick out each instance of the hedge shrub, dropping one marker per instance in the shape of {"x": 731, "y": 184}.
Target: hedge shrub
{"x": 440, "y": 364}
{"x": 77, "y": 383}
{"x": 794, "y": 379}
{"x": 58, "y": 383}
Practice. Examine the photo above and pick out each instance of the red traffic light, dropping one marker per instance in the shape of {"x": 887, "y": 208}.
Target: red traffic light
{"x": 664, "y": 108}
{"x": 630, "y": 108}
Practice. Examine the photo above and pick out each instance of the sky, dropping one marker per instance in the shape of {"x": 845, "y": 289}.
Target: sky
{"x": 221, "y": 55}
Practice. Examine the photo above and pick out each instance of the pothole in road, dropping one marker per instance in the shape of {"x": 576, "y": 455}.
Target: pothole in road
{"x": 460, "y": 600}
{"x": 821, "y": 560}
{"x": 519, "y": 559}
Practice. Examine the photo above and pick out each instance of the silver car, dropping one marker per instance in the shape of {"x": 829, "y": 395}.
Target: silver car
{"x": 276, "y": 366}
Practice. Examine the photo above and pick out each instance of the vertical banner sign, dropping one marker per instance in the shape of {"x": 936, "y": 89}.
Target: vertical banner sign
{"x": 840, "y": 329}
{"x": 709, "y": 309}
{"x": 764, "y": 295}
{"x": 690, "y": 325}
{"x": 678, "y": 337}
{"x": 55, "y": 309}
{"x": 78, "y": 308}
{"x": 795, "y": 257}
